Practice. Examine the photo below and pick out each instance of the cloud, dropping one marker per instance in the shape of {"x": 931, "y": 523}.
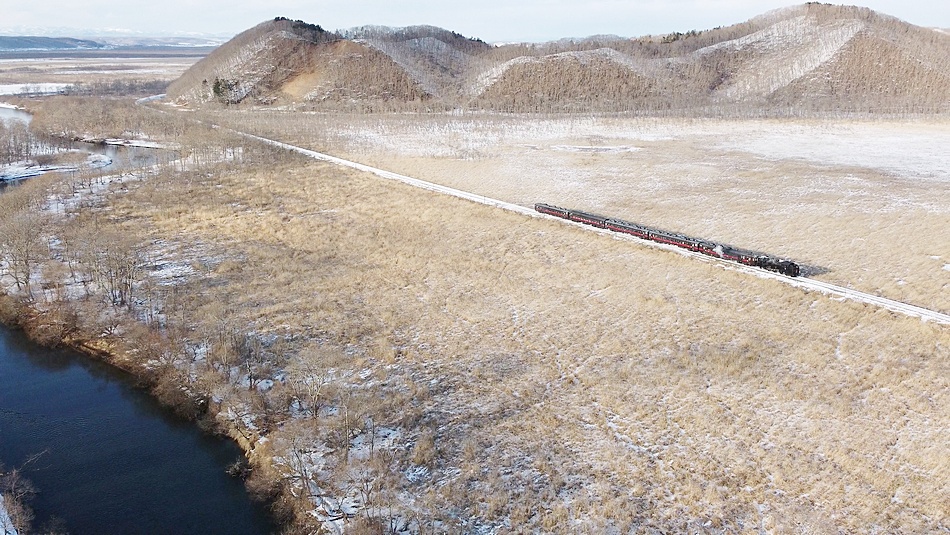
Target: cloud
{"x": 492, "y": 20}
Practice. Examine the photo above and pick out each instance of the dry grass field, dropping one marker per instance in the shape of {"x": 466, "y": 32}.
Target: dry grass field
{"x": 66, "y": 70}
{"x": 445, "y": 366}
{"x": 538, "y": 377}
{"x": 93, "y": 69}
{"x": 424, "y": 362}
{"x": 862, "y": 203}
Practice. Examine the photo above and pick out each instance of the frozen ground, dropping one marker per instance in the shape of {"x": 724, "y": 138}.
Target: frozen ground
{"x": 801, "y": 281}
{"x": 904, "y": 150}
{"x": 907, "y": 148}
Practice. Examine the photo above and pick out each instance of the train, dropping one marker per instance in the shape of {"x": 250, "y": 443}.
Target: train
{"x": 717, "y": 250}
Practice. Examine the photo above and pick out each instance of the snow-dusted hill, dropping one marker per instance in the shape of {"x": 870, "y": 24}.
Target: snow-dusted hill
{"x": 282, "y": 61}
{"x": 808, "y": 57}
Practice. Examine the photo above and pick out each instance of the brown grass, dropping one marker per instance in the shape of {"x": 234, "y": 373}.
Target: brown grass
{"x": 572, "y": 381}
{"x": 481, "y": 369}
{"x": 869, "y": 227}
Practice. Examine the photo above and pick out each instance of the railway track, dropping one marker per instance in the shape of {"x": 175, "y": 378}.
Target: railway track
{"x": 800, "y": 282}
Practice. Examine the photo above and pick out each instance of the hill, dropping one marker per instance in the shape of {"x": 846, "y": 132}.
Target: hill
{"x": 804, "y": 58}
{"x": 283, "y": 61}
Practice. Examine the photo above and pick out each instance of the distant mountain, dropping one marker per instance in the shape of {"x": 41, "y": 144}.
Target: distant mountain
{"x": 108, "y": 33}
{"x": 46, "y": 43}
{"x": 802, "y": 58}
{"x": 140, "y": 42}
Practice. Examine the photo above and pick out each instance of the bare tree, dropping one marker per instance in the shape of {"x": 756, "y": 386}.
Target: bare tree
{"x": 114, "y": 260}
{"x": 310, "y": 374}
{"x": 17, "y": 491}
{"x": 22, "y": 247}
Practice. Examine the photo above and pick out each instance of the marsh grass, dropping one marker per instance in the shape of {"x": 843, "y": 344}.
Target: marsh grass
{"x": 464, "y": 368}
{"x": 551, "y": 379}
{"x": 861, "y": 204}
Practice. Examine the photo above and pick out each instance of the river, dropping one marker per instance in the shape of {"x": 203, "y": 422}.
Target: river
{"x": 106, "y": 456}
{"x": 109, "y": 457}
{"x": 122, "y": 157}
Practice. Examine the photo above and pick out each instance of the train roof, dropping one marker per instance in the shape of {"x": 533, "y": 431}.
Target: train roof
{"x": 666, "y": 233}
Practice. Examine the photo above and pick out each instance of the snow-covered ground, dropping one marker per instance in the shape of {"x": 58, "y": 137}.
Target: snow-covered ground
{"x": 32, "y": 89}
{"x": 53, "y": 73}
{"x": 836, "y": 193}
{"x": 313, "y": 460}
{"x": 910, "y": 150}
{"x": 905, "y": 148}
{"x": 6, "y": 525}
{"x": 21, "y": 170}
{"x": 134, "y": 143}
{"x": 122, "y": 142}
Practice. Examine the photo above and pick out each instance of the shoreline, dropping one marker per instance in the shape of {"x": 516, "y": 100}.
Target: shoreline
{"x": 196, "y": 409}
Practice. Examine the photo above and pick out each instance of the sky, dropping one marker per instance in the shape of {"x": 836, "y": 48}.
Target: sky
{"x": 490, "y": 20}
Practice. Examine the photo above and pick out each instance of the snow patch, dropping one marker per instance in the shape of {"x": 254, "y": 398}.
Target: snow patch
{"x": 795, "y": 47}
{"x": 172, "y": 272}
{"x": 489, "y": 77}
{"x": 592, "y": 149}
{"x": 364, "y": 444}
{"x": 6, "y": 525}
{"x": 417, "y": 474}
{"x": 33, "y": 89}
{"x": 134, "y": 143}
{"x": 904, "y": 152}
{"x": 21, "y": 170}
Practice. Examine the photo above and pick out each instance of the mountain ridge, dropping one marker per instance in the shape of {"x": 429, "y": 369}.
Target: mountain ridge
{"x": 805, "y": 57}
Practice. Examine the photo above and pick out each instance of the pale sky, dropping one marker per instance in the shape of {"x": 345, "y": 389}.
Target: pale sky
{"x": 489, "y": 20}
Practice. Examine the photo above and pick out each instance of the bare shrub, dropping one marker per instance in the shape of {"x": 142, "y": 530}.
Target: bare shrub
{"x": 424, "y": 452}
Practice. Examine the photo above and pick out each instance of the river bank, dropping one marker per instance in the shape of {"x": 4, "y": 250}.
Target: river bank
{"x": 167, "y": 453}
{"x": 68, "y": 316}
{"x": 78, "y": 153}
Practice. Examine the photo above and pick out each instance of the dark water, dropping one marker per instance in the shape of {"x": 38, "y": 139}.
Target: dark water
{"x": 111, "y": 459}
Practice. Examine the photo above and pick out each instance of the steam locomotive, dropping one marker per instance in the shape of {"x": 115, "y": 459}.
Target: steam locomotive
{"x": 718, "y": 250}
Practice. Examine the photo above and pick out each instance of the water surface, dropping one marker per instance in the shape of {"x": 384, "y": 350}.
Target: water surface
{"x": 110, "y": 459}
